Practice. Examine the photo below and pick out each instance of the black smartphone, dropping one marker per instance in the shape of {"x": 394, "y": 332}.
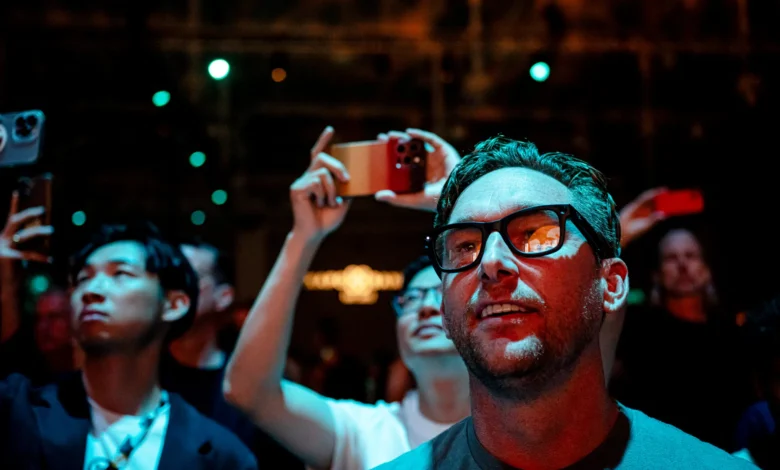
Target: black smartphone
{"x": 21, "y": 134}
{"x": 36, "y": 192}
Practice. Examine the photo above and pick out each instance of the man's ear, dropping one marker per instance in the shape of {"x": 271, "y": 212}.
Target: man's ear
{"x": 177, "y": 303}
{"x": 224, "y": 295}
{"x": 614, "y": 281}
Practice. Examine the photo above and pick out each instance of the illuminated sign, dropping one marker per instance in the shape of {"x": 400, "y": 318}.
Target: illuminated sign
{"x": 357, "y": 284}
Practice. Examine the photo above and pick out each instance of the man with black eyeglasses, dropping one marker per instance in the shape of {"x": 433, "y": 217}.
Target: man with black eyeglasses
{"x": 527, "y": 247}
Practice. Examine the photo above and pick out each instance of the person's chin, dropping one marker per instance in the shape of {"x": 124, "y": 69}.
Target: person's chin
{"x": 510, "y": 357}
{"x": 435, "y": 348}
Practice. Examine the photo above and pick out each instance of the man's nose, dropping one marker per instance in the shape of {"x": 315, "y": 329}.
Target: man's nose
{"x": 498, "y": 261}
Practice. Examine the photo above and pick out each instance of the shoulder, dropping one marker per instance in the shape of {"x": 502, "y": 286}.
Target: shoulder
{"x": 436, "y": 453}
{"x": 654, "y": 441}
{"x": 365, "y": 414}
{"x": 217, "y": 438}
{"x": 758, "y": 411}
{"x": 17, "y": 393}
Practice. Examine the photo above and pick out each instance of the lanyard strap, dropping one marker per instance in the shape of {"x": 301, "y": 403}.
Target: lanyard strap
{"x": 130, "y": 444}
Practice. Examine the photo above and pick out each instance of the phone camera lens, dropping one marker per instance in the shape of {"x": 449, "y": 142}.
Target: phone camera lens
{"x": 31, "y": 120}
{"x": 414, "y": 147}
{"x": 401, "y": 148}
{"x": 407, "y": 160}
{"x": 22, "y": 128}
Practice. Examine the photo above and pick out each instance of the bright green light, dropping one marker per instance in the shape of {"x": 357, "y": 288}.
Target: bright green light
{"x": 197, "y": 159}
{"x": 635, "y": 297}
{"x": 39, "y": 284}
{"x": 540, "y": 71}
{"x": 161, "y": 98}
{"x": 219, "y": 69}
{"x": 219, "y": 197}
{"x": 79, "y": 218}
{"x": 198, "y": 217}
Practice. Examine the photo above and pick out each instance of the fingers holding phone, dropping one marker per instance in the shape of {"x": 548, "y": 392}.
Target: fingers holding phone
{"x": 25, "y": 231}
{"x": 441, "y": 158}
{"x": 317, "y": 207}
{"x": 654, "y": 206}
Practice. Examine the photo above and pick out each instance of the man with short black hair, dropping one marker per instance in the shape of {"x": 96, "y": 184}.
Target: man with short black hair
{"x": 132, "y": 293}
{"x": 527, "y": 247}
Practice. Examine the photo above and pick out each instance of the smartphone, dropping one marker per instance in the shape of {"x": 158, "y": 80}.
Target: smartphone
{"x": 36, "y": 192}
{"x": 398, "y": 164}
{"x": 680, "y": 202}
{"x": 20, "y": 137}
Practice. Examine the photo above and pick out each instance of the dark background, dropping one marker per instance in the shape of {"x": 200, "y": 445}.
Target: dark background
{"x": 677, "y": 93}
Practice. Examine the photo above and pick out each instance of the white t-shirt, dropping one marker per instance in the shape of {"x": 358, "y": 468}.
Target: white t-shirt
{"x": 109, "y": 431}
{"x": 370, "y": 435}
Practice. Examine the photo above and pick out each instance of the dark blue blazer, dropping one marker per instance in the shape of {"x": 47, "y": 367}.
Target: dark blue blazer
{"x": 47, "y": 428}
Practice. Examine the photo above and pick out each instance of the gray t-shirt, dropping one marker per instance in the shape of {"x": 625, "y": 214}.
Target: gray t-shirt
{"x": 635, "y": 442}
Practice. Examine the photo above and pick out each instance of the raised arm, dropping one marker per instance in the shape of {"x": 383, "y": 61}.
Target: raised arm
{"x": 296, "y": 416}
{"x": 11, "y": 238}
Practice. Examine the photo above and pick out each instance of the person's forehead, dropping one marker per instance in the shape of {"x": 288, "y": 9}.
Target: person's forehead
{"x": 679, "y": 241}
{"x": 126, "y": 251}
{"x": 507, "y": 190}
{"x": 427, "y": 277}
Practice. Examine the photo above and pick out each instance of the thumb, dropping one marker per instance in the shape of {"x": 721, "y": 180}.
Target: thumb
{"x": 385, "y": 195}
{"x": 411, "y": 201}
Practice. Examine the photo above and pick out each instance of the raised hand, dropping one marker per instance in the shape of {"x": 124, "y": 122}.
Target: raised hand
{"x": 13, "y": 235}
{"x": 639, "y": 216}
{"x": 439, "y": 165}
{"x": 317, "y": 208}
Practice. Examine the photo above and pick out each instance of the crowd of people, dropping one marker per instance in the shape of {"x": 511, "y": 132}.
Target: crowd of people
{"x": 517, "y": 348}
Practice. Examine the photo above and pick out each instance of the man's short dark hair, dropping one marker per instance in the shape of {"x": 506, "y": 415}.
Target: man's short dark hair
{"x": 587, "y": 184}
{"x": 414, "y": 268}
{"x": 223, "y": 269}
{"x": 162, "y": 258}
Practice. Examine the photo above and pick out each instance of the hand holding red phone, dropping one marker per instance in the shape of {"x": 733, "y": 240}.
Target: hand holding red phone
{"x": 317, "y": 208}
{"x": 14, "y": 235}
{"x": 655, "y": 205}
{"x": 440, "y": 163}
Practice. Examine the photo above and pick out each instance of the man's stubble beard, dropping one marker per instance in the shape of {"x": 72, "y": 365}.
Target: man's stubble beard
{"x": 560, "y": 348}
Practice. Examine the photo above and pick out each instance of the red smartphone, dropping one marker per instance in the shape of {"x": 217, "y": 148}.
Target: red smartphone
{"x": 680, "y": 202}
{"x": 21, "y": 134}
{"x": 36, "y": 192}
{"x": 397, "y": 164}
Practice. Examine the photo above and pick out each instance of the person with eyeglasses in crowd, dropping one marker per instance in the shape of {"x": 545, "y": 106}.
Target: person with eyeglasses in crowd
{"x": 345, "y": 434}
{"x": 528, "y": 250}
{"x": 132, "y": 292}
{"x": 341, "y": 434}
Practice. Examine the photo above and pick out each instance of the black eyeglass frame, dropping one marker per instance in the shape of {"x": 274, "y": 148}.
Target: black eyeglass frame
{"x": 564, "y": 211}
{"x": 398, "y": 307}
